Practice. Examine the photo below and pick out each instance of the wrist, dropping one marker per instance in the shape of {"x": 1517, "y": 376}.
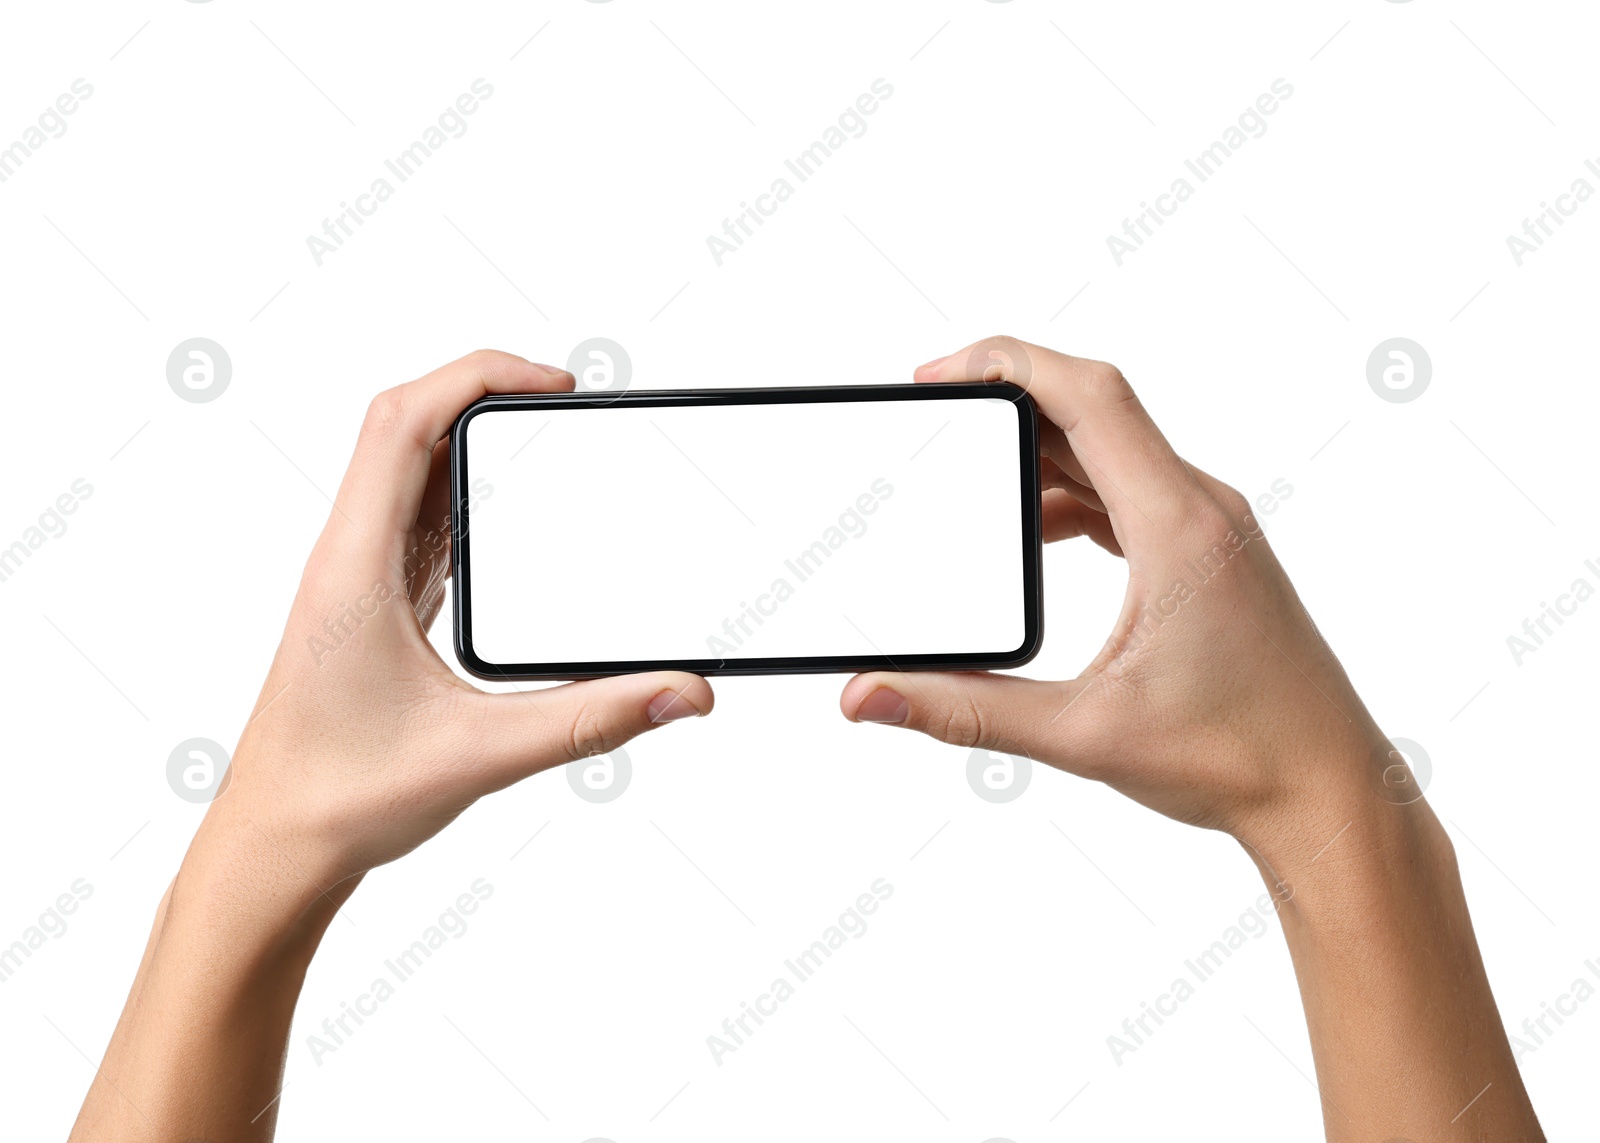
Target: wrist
{"x": 1347, "y": 808}
{"x": 1352, "y": 864}
{"x": 219, "y": 982}
{"x": 1372, "y": 908}
{"x": 264, "y": 898}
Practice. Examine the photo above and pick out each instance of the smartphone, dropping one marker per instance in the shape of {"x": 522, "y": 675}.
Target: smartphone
{"x": 747, "y": 531}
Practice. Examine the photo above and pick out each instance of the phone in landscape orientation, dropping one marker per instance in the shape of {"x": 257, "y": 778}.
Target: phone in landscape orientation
{"x": 747, "y": 531}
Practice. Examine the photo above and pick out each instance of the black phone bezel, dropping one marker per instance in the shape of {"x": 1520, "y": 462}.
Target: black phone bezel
{"x": 1029, "y": 508}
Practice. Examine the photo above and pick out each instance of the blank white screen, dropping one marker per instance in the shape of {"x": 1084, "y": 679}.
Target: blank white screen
{"x": 745, "y": 531}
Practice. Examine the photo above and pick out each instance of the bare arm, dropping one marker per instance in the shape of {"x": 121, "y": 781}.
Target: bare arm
{"x": 362, "y": 745}
{"x": 1407, "y": 1039}
{"x": 1216, "y": 701}
{"x": 199, "y": 1050}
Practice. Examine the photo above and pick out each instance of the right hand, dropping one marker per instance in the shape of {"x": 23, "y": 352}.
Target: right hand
{"x": 1215, "y": 700}
{"x": 364, "y": 742}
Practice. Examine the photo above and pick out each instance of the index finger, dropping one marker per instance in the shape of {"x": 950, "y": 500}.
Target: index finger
{"x": 382, "y": 490}
{"x": 1133, "y": 468}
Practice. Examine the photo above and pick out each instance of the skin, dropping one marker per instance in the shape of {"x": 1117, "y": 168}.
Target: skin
{"x": 362, "y": 745}
{"x": 1221, "y": 707}
{"x": 1216, "y": 702}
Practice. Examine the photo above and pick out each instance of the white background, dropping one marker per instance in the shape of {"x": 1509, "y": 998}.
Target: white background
{"x": 1017, "y": 138}
{"x": 748, "y": 540}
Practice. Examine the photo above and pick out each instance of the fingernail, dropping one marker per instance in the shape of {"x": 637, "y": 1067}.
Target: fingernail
{"x": 936, "y": 361}
{"x": 883, "y": 705}
{"x": 550, "y": 369}
{"x": 670, "y": 706}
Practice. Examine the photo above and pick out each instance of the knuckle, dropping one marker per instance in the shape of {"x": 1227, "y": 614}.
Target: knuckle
{"x": 590, "y": 733}
{"x": 963, "y": 724}
{"x": 322, "y": 568}
{"x": 1211, "y": 518}
{"x": 1214, "y": 534}
{"x": 385, "y": 411}
{"x": 494, "y": 364}
{"x": 1000, "y": 340}
{"x": 1000, "y": 358}
{"x": 1105, "y": 384}
{"x": 1234, "y": 502}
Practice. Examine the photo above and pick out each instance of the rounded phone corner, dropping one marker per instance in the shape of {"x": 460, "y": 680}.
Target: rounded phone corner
{"x": 1007, "y": 391}
{"x": 472, "y": 664}
{"x": 1024, "y": 654}
{"x": 458, "y": 427}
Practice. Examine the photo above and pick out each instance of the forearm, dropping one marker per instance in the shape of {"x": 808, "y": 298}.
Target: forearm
{"x": 1407, "y": 1040}
{"x": 350, "y": 760}
{"x": 199, "y": 1050}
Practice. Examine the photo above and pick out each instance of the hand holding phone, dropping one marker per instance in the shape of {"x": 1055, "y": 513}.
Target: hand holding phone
{"x": 364, "y": 742}
{"x": 1214, "y": 700}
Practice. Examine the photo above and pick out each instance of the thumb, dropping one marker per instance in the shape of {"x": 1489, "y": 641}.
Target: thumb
{"x": 974, "y": 709}
{"x": 530, "y": 731}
